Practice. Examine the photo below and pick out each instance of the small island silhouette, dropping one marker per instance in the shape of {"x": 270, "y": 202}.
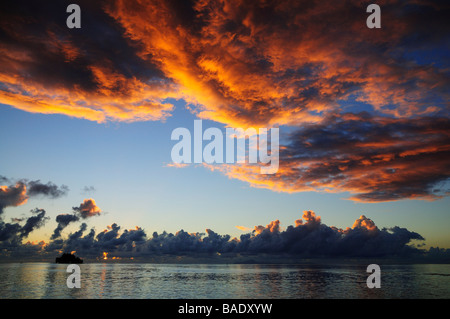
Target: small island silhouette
{"x": 68, "y": 258}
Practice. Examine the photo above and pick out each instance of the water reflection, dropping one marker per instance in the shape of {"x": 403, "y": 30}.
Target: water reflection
{"x": 45, "y": 280}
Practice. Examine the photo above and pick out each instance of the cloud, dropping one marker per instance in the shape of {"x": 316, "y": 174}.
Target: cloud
{"x": 237, "y": 63}
{"x": 365, "y": 223}
{"x": 96, "y": 74}
{"x": 4, "y": 180}
{"x": 375, "y": 159}
{"x": 50, "y": 190}
{"x": 34, "y": 222}
{"x": 310, "y": 238}
{"x": 87, "y": 208}
{"x": 12, "y": 196}
{"x": 307, "y": 238}
{"x": 18, "y": 194}
{"x": 11, "y": 234}
{"x": 63, "y": 220}
{"x": 88, "y": 190}
{"x": 109, "y": 240}
{"x": 277, "y": 63}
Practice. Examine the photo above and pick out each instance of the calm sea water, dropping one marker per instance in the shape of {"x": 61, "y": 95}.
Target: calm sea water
{"x": 46, "y": 280}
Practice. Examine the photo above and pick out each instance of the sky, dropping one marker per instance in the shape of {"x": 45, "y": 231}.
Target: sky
{"x": 86, "y": 117}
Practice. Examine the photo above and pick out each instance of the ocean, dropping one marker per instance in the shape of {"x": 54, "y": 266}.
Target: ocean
{"x": 224, "y": 281}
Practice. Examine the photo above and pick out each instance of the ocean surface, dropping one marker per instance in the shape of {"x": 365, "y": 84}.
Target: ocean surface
{"x": 229, "y": 281}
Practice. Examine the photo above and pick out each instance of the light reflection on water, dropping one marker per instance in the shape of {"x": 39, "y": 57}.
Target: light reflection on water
{"x": 46, "y": 280}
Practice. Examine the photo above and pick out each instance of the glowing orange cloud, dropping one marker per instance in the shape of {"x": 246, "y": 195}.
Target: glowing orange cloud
{"x": 48, "y": 70}
{"x": 13, "y": 195}
{"x": 364, "y": 222}
{"x": 243, "y": 228}
{"x": 88, "y": 208}
{"x": 371, "y": 158}
{"x": 273, "y": 64}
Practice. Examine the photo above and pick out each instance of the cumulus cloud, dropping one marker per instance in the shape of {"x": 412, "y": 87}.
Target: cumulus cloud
{"x": 62, "y": 221}
{"x": 18, "y": 194}
{"x": 87, "y": 208}
{"x": 13, "y": 196}
{"x": 307, "y": 238}
{"x": 34, "y": 222}
{"x": 11, "y": 234}
{"x": 51, "y": 190}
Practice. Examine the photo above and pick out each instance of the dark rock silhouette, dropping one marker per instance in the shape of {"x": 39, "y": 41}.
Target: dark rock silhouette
{"x": 67, "y": 258}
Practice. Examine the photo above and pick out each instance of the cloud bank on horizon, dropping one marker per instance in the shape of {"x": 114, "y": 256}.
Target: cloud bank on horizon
{"x": 309, "y": 237}
{"x": 311, "y": 66}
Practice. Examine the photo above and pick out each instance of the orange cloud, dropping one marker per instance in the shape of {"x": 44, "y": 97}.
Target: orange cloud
{"x": 364, "y": 222}
{"x": 13, "y": 196}
{"x": 272, "y": 227}
{"x": 241, "y": 64}
{"x": 88, "y": 208}
{"x": 272, "y": 64}
{"x": 243, "y": 228}
{"x": 372, "y": 158}
{"x": 46, "y": 69}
